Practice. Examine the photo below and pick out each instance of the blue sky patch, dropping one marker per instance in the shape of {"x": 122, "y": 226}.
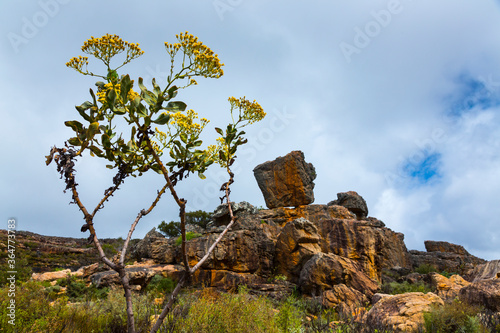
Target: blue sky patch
{"x": 474, "y": 93}
{"x": 424, "y": 169}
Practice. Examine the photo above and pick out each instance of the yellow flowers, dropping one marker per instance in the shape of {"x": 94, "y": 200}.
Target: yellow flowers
{"x": 248, "y": 111}
{"x": 101, "y": 93}
{"x": 203, "y": 61}
{"x": 108, "y": 46}
{"x": 105, "y": 48}
{"x": 186, "y": 122}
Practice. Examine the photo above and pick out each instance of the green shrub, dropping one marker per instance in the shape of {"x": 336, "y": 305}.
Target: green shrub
{"x": 394, "y": 288}
{"x": 78, "y": 291}
{"x": 189, "y": 235}
{"x": 425, "y": 269}
{"x": 289, "y": 318}
{"x": 454, "y": 317}
{"x": 161, "y": 285}
{"x": 229, "y": 313}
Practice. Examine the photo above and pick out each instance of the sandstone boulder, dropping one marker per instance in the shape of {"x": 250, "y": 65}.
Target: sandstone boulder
{"x": 485, "y": 293}
{"x": 447, "y": 288}
{"x": 367, "y": 242}
{"x": 323, "y": 271}
{"x": 297, "y": 243}
{"x": 352, "y": 201}
{"x": 137, "y": 276}
{"x": 143, "y": 248}
{"x": 50, "y": 276}
{"x": 287, "y": 181}
{"x": 403, "y": 312}
{"x": 436, "y": 246}
{"x": 487, "y": 271}
{"x": 344, "y": 300}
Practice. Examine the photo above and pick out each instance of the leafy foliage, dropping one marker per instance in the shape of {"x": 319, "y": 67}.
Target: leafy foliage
{"x": 454, "y": 317}
{"x": 173, "y": 229}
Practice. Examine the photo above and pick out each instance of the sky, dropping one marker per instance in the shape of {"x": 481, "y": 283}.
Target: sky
{"x": 398, "y": 100}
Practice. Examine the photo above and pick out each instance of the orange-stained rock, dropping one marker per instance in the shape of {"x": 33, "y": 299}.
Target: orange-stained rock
{"x": 403, "y": 312}
{"x": 297, "y": 243}
{"x": 287, "y": 181}
{"x": 447, "y": 288}
{"x": 344, "y": 300}
{"x": 49, "y": 276}
{"x": 323, "y": 271}
{"x": 368, "y": 242}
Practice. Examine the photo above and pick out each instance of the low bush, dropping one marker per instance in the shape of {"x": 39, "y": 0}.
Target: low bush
{"x": 454, "y": 317}
{"x": 189, "y": 235}
{"x": 394, "y": 288}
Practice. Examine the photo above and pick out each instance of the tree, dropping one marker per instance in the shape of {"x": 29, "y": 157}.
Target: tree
{"x": 173, "y": 229}
{"x": 164, "y": 138}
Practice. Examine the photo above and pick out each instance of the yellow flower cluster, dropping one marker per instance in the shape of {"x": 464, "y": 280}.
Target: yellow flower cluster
{"x": 77, "y": 63}
{"x": 248, "y": 111}
{"x": 203, "y": 60}
{"x": 101, "y": 93}
{"x": 186, "y": 122}
{"x": 107, "y": 46}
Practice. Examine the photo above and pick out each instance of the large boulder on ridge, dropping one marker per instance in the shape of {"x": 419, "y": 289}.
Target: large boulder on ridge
{"x": 287, "y": 181}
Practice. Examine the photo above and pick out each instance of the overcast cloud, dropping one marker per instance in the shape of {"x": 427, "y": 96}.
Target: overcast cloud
{"x": 398, "y": 100}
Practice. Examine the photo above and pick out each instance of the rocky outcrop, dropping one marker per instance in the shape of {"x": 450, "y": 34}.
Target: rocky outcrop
{"x": 287, "y": 181}
{"x": 447, "y": 288}
{"x": 137, "y": 276}
{"x": 51, "y": 276}
{"x": 489, "y": 270}
{"x": 352, "y": 201}
{"x": 323, "y": 271}
{"x": 297, "y": 243}
{"x": 484, "y": 293}
{"x": 369, "y": 242}
{"x": 445, "y": 257}
{"x": 401, "y": 313}
{"x": 344, "y": 300}
{"x": 435, "y": 246}
{"x": 143, "y": 248}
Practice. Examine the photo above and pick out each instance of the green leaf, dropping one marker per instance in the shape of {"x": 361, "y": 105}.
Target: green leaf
{"x": 125, "y": 86}
{"x": 218, "y": 130}
{"x": 176, "y": 106}
{"x": 75, "y": 141}
{"x": 111, "y": 98}
{"x": 141, "y": 111}
{"x": 222, "y": 155}
{"x": 141, "y": 85}
{"x": 120, "y": 111}
{"x": 93, "y": 129}
{"x": 162, "y": 119}
{"x": 172, "y": 92}
{"x": 96, "y": 150}
{"x": 149, "y": 97}
{"x": 85, "y": 106}
{"x": 201, "y": 175}
{"x": 183, "y": 137}
{"x": 93, "y": 96}
{"x": 109, "y": 166}
{"x": 106, "y": 142}
{"x": 75, "y": 125}
{"x": 197, "y": 143}
{"x": 100, "y": 84}
{"x": 156, "y": 88}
